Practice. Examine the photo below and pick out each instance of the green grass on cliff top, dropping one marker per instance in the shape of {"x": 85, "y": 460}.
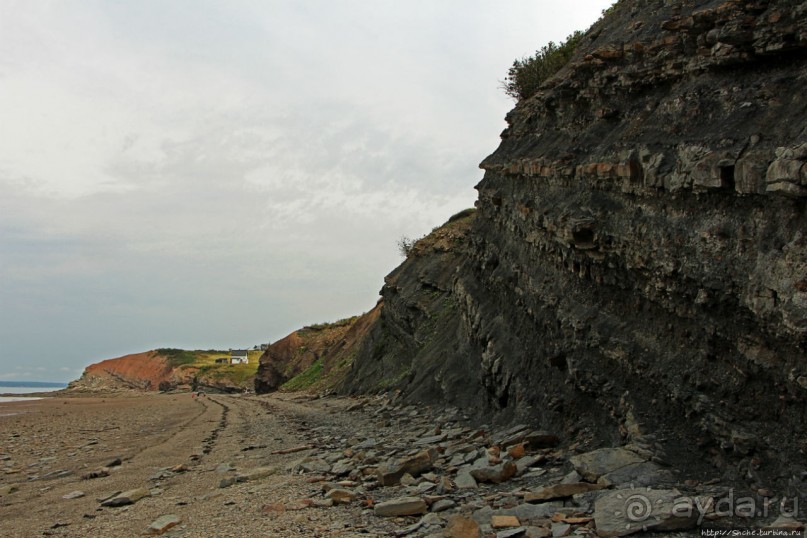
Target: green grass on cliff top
{"x": 205, "y": 361}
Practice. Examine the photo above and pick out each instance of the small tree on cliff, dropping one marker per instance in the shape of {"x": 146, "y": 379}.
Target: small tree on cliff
{"x": 405, "y": 245}
{"x": 527, "y": 74}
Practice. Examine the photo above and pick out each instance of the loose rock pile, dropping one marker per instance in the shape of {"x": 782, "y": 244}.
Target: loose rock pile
{"x": 420, "y": 473}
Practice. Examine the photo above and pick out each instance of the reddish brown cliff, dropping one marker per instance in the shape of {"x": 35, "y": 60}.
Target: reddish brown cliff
{"x": 140, "y": 371}
{"x": 317, "y": 356}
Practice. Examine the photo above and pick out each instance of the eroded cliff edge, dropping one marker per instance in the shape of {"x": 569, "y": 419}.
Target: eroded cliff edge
{"x": 637, "y": 265}
{"x": 166, "y": 369}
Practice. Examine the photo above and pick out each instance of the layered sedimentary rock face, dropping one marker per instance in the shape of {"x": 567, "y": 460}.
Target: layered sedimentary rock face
{"x": 139, "y": 371}
{"x": 637, "y": 265}
{"x": 316, "y": 357}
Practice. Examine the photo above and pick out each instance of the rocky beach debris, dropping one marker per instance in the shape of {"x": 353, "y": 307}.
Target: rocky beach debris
{"x": 418, "y": 471}
{"x": 389, "y": 468}
{"x": 636, "y": 258}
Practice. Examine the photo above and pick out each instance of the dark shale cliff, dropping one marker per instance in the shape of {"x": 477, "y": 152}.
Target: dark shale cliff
{"x": 637, "y": 264}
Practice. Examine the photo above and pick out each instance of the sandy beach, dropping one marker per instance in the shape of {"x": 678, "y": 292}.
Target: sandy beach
{"x": 291, "y": 465}
{"x": 178, "y": 448}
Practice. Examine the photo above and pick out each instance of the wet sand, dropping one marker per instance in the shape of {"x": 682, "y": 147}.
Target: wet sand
{"x": 47, "y": 445}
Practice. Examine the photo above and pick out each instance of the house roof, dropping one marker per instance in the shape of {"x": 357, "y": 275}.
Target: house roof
{"x": 239, "y": 353}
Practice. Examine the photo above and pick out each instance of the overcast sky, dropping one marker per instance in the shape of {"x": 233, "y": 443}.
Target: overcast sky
{"x": 215, "y": 174}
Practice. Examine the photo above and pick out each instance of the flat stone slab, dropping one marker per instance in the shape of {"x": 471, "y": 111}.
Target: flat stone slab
{"x": 390, "y": 474}
{"x": 628, "y": 511}
{"x": 464, "y": 480}
{"x": 641, "y": 474}
{"x": 247, "y": 476}
{"x": 512, "y": 533}
{"x": 461, "y": 526}
{"x": 525, "y": 512}
{"x": 559, "y": 491}
{"x": 256, "y": 474}
{"x": 314, "y": 465}
{"x": 402, "y": 506}
{"x": 56, "y": 474}
{"x": 107, "y": 496}
{"x": 504, "y": 522}
{"x": 342, "y": 468}
{"x": 592, "y": 465}
{"x": 522, "y": 464}
{"x": 163, "y": 523}
{"x": 443, "y": 505}
{"x": 127, "y": 497}
{"x": 433, "y": 440}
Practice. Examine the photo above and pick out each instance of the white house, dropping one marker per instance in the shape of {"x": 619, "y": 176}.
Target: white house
{"x": 239, "y": 356}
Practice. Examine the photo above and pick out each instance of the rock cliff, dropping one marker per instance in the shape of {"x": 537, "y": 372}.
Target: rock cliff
{"x": 165, "y": 369}
{"x": 316, "y": 357}
{"x": 138, "y": 371}
{"x": 637, "y": 264}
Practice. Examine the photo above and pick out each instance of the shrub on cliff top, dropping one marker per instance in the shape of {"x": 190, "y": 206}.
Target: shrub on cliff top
{"x": 527, "y": 74}
{"x": 176, "y": 357}
{"x": 405, "y": 245}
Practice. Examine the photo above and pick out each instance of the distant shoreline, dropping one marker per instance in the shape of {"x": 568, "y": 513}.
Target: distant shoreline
{"x": 31, "y": 390}
{"x": 33, "y": 384}
{"x": 16, "y": 398}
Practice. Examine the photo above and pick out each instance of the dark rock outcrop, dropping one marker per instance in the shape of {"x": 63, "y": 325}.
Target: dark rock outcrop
{"x": 637, "y": 264}
{"x": 420, "y": 342}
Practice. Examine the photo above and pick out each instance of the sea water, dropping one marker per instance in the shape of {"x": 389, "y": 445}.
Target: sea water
{"x": 13, "y": 389}
{"x": 20, "y": 389}
{"x": 6, "y": 399}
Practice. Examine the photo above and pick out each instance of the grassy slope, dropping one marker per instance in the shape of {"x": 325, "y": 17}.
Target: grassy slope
{"x": 202, "y": 364}
{"x": 321, "y": 337}
{"x": 334, "y": 361}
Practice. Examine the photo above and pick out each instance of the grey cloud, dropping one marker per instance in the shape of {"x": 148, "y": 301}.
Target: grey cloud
{"x": 204, "y": 174}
